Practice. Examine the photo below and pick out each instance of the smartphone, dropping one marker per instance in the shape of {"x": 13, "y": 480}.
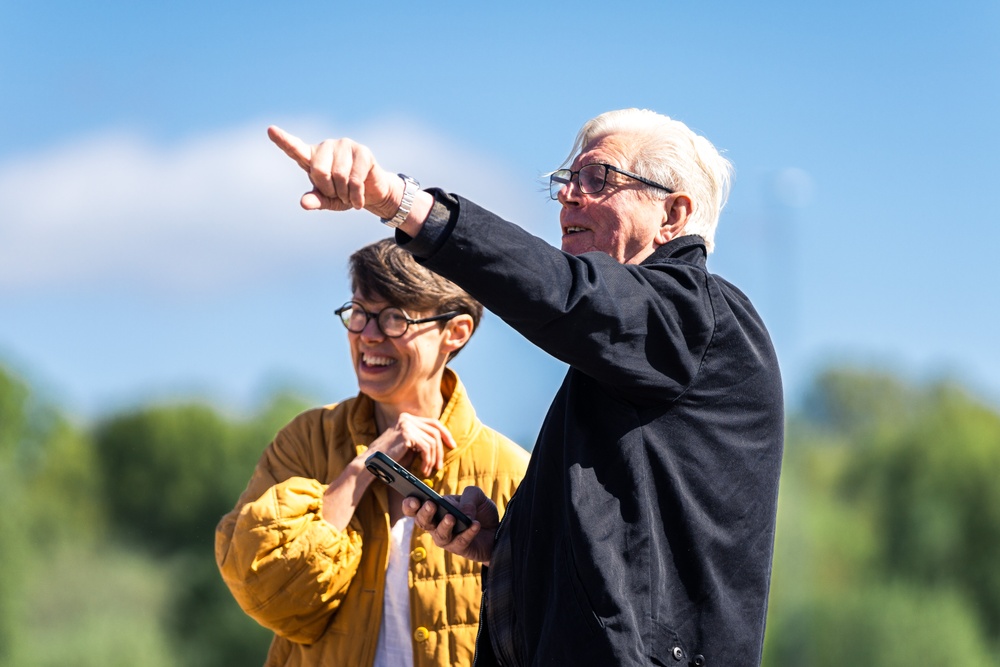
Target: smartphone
{"x": 400, "y": 479}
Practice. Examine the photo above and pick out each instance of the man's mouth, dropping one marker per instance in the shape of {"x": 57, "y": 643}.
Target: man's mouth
{"x": 574, "y": 230}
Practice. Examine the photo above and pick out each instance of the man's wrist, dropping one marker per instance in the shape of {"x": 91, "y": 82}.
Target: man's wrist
{"x": 437, "y": 213}
{"x": 410, "y": 189}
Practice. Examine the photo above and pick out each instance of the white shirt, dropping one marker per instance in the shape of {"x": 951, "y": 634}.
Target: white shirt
{"x": 395, "y": 644}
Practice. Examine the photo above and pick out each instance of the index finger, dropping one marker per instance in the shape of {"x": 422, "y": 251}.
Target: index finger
{"x": 441, "y": 438}
{"x": 446, "y": 438}
{"x": 293, "y": 147}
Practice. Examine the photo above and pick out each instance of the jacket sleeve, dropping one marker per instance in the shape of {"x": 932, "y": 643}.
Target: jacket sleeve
{"x": 286, "y": 566}
{"x": 591, "y": 312}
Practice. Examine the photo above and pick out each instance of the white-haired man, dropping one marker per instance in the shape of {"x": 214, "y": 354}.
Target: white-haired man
{"x": 643, "y": 530}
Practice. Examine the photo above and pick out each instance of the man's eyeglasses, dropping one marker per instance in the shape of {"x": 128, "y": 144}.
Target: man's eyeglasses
{"x": 592, "y": 178}
{"x": 391, "y": 321}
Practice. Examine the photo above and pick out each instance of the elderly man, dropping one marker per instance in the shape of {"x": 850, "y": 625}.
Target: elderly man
{"x": 643, "y": 530}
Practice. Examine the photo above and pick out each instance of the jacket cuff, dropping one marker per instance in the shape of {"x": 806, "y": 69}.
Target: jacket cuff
{"x": 436, "y": 229}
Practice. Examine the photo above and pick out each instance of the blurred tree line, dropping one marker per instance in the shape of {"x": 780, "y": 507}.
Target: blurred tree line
{"x": 107, "y": 557}
{"x": 888, "y": 530}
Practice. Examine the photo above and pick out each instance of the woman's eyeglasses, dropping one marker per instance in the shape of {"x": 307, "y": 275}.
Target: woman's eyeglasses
{"x": 391, "y": 321}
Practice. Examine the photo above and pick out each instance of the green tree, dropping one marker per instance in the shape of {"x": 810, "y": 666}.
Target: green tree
{"x": 164, "y": 471}
{"x": 887, "y": 526}
{"x": 97, "y": 606}
{"x": 216, "y": 630}
{"x": 932, "y": 489}
{"x": 49, "y": 494}
{"x": 13, "y": 396}
{"x": 170, "y": 473}
{"x": 107, "y": 556}
{"x": 878, "y": 625}
{"x": 854, "y": 403}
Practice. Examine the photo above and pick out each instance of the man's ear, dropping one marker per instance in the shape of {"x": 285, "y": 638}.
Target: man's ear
{"x": 457, "y": 332}
{"x": 676, "y": 212}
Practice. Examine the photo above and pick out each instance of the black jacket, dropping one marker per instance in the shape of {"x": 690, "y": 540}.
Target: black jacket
{"x": 642, "y": 533}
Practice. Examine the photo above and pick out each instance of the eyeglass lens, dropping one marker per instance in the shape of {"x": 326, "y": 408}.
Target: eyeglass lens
{"x": 391, "y": 321}
{"x": 591, "y": 179}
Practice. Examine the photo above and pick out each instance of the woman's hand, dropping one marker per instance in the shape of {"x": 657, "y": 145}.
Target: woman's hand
{"x": 415, "y": 436}
{"x": 475, "y": 542}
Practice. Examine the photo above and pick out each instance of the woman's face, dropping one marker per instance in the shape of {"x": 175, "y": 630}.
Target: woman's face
{"x": 404, "y": 371}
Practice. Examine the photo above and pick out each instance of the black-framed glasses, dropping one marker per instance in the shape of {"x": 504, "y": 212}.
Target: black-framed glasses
{"x": 393, "y": 322}
{"x": 592, "y": 178}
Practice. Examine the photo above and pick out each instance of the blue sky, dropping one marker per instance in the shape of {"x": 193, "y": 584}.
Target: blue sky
{"x": 151, "y": 244}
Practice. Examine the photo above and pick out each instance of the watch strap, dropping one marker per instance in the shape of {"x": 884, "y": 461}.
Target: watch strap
{"x": 410, "y": 188}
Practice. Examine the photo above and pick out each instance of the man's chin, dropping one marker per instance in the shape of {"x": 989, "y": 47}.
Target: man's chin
{"x": 572, "y": 246}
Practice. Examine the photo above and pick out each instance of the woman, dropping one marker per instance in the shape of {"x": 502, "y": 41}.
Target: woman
{"x": 319, "y": 551}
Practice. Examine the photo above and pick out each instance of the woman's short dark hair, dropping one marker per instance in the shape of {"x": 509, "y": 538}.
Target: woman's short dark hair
{"x": 384, "y": 271}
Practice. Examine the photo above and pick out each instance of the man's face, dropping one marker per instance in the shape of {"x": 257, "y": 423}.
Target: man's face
{"x": 622, "y": 219}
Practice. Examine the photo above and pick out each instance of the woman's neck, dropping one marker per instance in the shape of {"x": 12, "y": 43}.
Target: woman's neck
{"x": 386, "y": 414}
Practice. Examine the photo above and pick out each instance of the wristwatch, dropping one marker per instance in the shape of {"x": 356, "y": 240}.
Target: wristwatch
{"x": 410, "y": 188}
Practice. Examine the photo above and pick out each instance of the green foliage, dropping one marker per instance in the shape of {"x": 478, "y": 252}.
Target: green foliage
{"x": 13, "y": 395}
{"x": 13, "y": 415}
{"x": 12, "y": 562}
{"x": 215, "y": 629}
{"x": 932, "y": 488}
{"x": 822, "y": 544}
{"x": 170, "y": 472}
{"x": 107, "y": 556}
{"x": 48, "y": 489}
{"x": 65, "y": 490}
{"x": 888, "y": 527}
{"x": 163, "y": 468}
{"x": 96, "y": 607}
{"x": 877, "y": 624}
{"x": 854, "y": 403}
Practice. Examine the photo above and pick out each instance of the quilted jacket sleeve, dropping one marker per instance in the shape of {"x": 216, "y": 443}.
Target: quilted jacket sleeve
{"x": 286, "y": 566}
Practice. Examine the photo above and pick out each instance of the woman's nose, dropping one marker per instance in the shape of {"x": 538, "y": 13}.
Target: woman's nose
{"x": 372, "y": 331}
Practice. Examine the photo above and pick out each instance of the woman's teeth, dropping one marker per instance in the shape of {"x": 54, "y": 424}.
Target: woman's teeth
{"x": 372, "y": 360}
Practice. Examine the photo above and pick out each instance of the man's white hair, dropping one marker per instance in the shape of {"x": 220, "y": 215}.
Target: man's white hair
{"x": 669, "y": 152}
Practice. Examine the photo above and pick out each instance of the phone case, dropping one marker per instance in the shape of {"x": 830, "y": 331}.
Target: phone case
{"x": 400, "y": 479}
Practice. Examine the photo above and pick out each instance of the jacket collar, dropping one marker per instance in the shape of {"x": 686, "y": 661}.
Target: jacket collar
{"x": 689, "y": 248}
{"x": 458, "y": 416}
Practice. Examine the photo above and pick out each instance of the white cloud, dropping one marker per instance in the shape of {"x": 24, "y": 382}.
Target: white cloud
{"x": 211, "y": 211}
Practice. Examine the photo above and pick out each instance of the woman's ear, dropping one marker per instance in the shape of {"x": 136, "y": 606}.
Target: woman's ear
{"x": 457, "y": 332}
{"x": 676, "y": 212}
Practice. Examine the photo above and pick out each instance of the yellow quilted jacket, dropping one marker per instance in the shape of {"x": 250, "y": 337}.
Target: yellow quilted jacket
{"x": 320, "y": 589}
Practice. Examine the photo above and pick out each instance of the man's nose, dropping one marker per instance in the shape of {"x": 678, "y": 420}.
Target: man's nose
{"x": 569, "y": 193}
